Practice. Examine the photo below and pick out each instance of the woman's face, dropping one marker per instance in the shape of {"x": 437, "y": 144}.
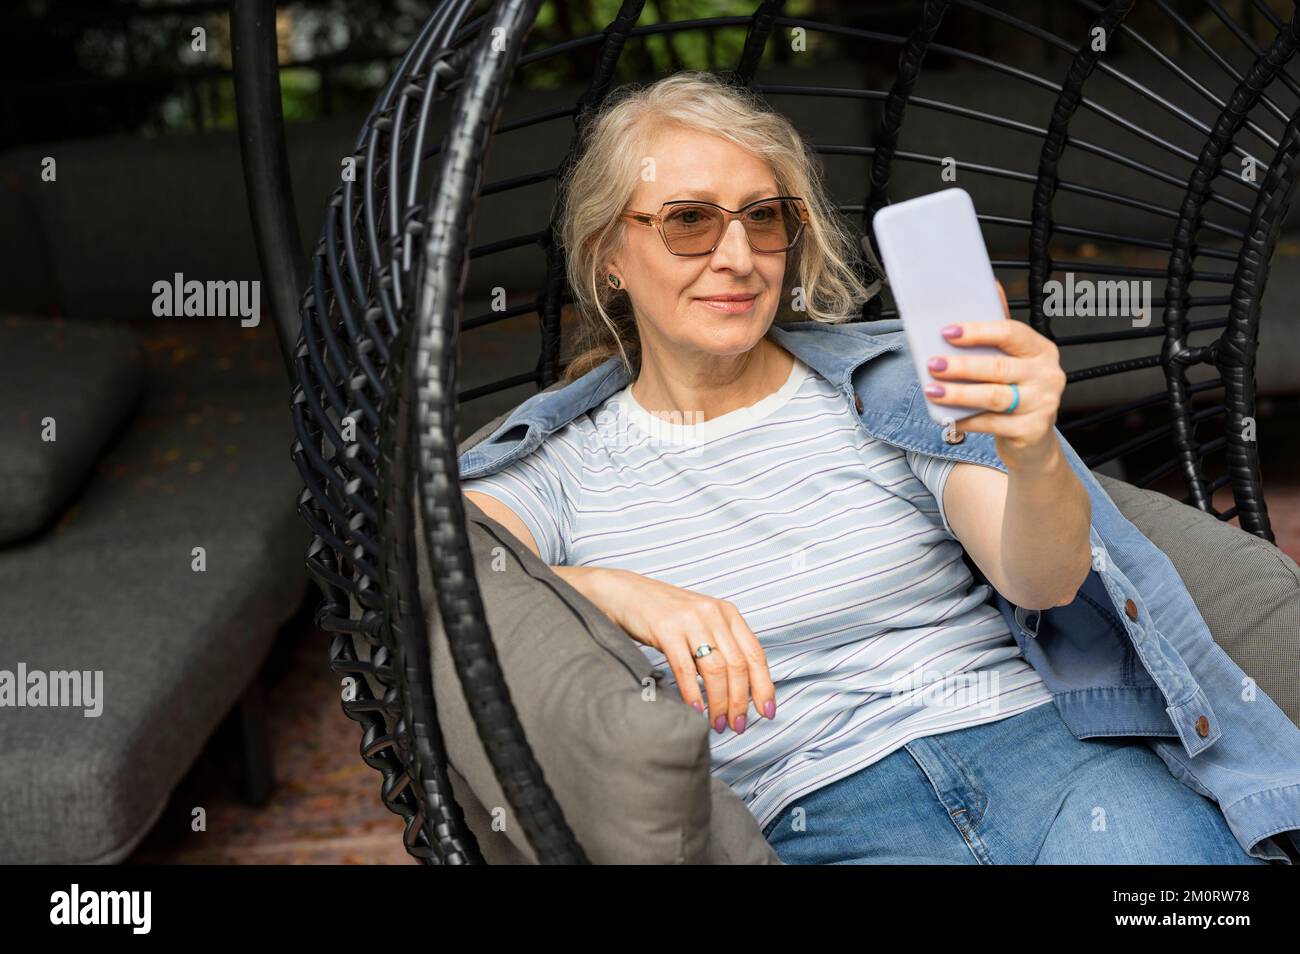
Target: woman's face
{"x": 667, "y": 290}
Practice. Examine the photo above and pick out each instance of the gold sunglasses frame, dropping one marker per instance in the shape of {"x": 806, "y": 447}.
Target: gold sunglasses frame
{"x": 655, "y": 220}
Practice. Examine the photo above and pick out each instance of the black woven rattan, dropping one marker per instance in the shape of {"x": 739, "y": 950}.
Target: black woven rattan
{"x": 376, "y": 400}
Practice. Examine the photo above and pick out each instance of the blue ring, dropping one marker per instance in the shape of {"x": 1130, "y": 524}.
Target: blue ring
{"x": 1016, "y": 403}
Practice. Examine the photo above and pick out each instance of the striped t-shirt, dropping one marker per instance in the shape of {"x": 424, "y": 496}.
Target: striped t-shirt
{"x": 833, "y": 546}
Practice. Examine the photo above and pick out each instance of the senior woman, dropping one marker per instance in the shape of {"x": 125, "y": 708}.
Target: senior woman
{"x": 727, "y": 511}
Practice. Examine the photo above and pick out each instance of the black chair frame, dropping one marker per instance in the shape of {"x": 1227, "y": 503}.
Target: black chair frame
{"x": 370, "y": 329}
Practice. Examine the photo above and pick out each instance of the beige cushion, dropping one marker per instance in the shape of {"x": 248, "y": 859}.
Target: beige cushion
{"x": 734, "y": 837}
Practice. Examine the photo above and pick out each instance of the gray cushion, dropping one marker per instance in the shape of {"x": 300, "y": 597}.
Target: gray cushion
{"x": 88, "y": 378}
{"x": 734, "y": 838}
{"x": 1247, "y": 590}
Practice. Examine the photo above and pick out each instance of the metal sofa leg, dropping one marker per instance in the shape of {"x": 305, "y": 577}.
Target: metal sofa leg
{"x": 255, "y": 745}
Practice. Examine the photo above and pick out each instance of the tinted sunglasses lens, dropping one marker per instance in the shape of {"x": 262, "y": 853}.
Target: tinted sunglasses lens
{"x": 692, "y": 229}
{"x": 773, "y": 225}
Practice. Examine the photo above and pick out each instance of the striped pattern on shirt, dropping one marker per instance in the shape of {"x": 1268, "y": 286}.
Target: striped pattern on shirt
{"x": 834, "y": 547}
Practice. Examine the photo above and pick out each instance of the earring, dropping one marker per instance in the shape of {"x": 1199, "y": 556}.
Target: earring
{"x": 613, "y": 280}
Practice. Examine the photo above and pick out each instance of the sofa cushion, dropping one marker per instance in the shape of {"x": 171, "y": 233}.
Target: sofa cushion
{"x": 1247, "y": 590}
{"x": 79, "y": 380}
{"x": 115, "y": 590}
{"x": 628, "y": 762}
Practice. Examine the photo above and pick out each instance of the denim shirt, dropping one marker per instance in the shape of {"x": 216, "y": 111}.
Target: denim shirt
{"x": 1131, "y": 655}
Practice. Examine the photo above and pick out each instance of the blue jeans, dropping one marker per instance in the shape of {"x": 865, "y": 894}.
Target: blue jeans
{"x": 1018, "y": 791}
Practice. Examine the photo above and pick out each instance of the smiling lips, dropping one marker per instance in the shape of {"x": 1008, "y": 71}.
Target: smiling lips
{"x": 730, "y": 304}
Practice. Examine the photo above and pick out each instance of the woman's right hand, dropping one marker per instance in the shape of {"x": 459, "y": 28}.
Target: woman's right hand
{"x": 675, "y": 621}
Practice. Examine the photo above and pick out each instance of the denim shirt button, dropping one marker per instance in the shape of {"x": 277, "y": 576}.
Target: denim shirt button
{"x": 1131, "y": 611}
{"x": 1202, "y": 727}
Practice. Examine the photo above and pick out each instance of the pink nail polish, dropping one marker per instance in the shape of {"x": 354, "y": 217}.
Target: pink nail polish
{"x": 934, "y": 390}
{"x": 769, "y": 709}
{"x": 937, "y": 364}
{"x": 740, "y": 724}
{"x": 719, "y": 724}
{"x": 698, "y": 707}
{"x": 950, "y": 331}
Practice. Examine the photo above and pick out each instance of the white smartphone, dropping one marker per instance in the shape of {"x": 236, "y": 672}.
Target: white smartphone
{"x": 938, "y": 267}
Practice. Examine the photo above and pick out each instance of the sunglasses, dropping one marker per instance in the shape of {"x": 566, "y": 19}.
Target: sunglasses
{"x": 692, "y": 227}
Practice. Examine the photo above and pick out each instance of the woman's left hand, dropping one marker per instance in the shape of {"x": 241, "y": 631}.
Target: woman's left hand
{"x": 1029, "y": 360}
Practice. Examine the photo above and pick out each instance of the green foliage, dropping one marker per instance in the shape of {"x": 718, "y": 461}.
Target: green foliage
{"x": 657, "y": 54}
{"x": 119, "y": 66}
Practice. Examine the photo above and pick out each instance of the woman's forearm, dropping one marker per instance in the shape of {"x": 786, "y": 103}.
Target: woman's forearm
{"x": 1046, "y": 550}
{"x": 581, "y": 578}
